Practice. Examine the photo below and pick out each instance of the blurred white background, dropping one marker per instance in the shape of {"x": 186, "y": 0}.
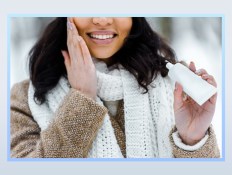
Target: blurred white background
{"x": 193, "y": 39}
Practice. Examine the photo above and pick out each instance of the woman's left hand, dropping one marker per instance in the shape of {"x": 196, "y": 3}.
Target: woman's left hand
{"x": 193, "y": 120}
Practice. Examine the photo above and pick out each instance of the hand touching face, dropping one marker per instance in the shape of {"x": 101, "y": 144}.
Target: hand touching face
{"x": 78, "y": 62}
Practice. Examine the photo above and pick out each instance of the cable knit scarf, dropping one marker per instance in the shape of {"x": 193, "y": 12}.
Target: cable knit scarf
{"x": 148, "y": 117}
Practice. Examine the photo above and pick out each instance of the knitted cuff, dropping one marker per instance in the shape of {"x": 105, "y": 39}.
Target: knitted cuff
{"x": 178, "y": 142}
{"x": 206, "y": 148}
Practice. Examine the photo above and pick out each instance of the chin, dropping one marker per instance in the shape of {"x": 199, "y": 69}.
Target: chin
{"x": 102, "y": 53}
{"x": 102, "y": 59}
{"x": 101, "y": 56}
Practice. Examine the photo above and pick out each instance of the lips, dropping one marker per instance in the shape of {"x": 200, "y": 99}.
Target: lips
{"x": 102, "y": 37}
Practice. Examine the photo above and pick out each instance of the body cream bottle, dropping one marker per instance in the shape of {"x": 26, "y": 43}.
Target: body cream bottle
{"x": 193, "y": 85}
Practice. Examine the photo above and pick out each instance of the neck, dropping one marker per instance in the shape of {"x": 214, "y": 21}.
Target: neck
{"x": 109, "y": 61}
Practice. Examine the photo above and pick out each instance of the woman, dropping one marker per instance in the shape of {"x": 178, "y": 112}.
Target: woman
{"x": 99, "y": 88}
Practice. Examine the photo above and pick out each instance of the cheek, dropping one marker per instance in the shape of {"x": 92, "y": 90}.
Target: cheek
{"x": 80, "y": 31}
{"x": 103, "y": 52}
{"x": 126, "y": 27}
{"x": 81, "y": 25}
{"x": 125, "y": 31}
{"x": 124, "y": 34}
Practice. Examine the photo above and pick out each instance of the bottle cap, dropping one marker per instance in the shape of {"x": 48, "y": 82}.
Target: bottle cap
{"x": 169, "y": 65}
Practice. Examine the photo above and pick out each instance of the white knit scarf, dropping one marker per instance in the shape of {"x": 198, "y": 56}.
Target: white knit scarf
{"x": 148, "y": 117}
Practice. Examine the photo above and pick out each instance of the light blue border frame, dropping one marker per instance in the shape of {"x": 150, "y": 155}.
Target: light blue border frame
{"x": 222, "y": 159}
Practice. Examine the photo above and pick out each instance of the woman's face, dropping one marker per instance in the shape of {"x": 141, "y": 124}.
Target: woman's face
{"x": 103, "y": 36}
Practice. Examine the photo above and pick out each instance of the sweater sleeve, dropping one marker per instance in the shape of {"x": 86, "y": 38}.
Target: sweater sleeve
{"x": 207, "y": 147}
{"x": 70, "y": 134}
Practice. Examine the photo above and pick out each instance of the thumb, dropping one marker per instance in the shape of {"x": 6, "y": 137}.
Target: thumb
{"x": 178, "y": 100}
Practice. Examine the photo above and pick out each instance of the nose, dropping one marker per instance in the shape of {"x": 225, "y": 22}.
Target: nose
{"x": 103, "y": 21}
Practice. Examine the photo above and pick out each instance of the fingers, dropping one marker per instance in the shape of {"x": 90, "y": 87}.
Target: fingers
{"x": 213, "y": 99}
{"x": 192, "y": 66}
{"x": 200, "y": 72}
{"x": 178, "y": 99}
{"x": 66, "y": 57}
{"x": 85, "y": 52}
{"x": 209, "y": 78}
{"x": 73, "y": 40}
{"x": 77, "y": 44}
{"x": 70, "y": 19}
{"x": 204, "y": 75}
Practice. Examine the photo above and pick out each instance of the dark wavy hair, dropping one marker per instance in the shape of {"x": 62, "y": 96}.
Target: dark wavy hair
{"x": 143, "y": 54}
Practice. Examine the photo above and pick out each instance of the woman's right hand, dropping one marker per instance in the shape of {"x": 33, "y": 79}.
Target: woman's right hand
{"x": 78, "y": 62}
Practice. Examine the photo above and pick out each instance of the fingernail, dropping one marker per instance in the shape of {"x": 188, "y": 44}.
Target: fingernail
{"x": 69, "y": 25}
{"x": 204, "y": 75}
{"x": 198, "y": 71}
{"x": 176, "y": 87}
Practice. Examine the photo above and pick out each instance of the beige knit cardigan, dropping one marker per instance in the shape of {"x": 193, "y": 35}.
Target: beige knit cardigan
{"x": 72, "y": 137}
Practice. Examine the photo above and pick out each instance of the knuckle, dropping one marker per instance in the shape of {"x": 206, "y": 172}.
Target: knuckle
{"x": 203, "y": 70}
{"x": 75, "y": 43}
{"x": 92, "y": 67}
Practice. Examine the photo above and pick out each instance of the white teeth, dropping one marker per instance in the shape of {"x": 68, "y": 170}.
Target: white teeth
{"x": 101, "y": 36}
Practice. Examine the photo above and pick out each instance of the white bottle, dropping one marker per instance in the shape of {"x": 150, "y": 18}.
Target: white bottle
{"x": 193, "y": 85}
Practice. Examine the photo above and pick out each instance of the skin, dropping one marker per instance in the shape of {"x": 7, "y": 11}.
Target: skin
{"x": 80, "y": 68}
{"x": 192, "y": 120}
{"x": 120, "y": 26}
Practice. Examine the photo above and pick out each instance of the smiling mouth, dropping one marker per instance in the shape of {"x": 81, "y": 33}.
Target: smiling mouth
{"x": 102, "y": 36}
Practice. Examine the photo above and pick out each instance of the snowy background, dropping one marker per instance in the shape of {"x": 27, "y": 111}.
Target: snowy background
{"x": 193, "y": 39}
